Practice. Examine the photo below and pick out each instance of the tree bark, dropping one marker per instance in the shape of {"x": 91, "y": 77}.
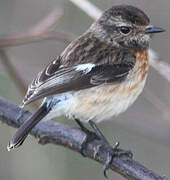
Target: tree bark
{"x": 72, "y": 138}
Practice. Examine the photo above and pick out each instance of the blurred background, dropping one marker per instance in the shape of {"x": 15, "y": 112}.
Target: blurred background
{"x": 144, "y": 128}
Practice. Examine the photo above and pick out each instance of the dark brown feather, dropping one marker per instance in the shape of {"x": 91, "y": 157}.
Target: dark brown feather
{"x": 25, "y": 128}
{"x": 111, "y": 66}
{"x": 69, "y": 79}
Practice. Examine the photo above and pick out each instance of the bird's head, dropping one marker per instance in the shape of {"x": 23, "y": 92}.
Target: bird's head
{"x": 126, "y": 27}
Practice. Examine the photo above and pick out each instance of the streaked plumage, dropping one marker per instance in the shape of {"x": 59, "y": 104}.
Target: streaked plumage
{"x": 99, "y": 75}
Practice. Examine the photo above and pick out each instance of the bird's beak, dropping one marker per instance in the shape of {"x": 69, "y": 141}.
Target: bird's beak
{"x": 153, "y": 29}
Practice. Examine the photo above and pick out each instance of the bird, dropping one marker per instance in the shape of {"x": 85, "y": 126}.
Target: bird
{"x": 99, "y": 75}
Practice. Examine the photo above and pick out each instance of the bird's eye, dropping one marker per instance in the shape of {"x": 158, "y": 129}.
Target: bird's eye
{"x": 124, "y": 29}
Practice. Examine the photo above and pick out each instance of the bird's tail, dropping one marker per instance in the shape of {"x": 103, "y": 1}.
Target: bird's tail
{"x": 25, "y": 128}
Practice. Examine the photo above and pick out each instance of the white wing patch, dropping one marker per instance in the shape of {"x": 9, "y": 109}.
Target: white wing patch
{"x": 85, "y": 67}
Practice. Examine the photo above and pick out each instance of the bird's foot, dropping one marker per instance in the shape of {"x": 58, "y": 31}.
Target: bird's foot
{"x": 90, "y": 136}
{"x": 115, "y": 152}
{"x": 97, "y": 134}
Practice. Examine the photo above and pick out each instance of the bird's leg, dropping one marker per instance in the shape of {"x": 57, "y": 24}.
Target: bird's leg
{"x": 89, "y": 136}
{"x": 115, "y": 151}
{"x": 83, "y": 128}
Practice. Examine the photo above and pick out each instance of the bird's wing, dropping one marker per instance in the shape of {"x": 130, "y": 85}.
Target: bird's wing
{"x": 57, "y": 79}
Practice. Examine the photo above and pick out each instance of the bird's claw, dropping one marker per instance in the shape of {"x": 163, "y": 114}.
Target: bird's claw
{"x": 110, "y": 156}
{"x": 115, "y": 152}
{"x": 97, "y": 134}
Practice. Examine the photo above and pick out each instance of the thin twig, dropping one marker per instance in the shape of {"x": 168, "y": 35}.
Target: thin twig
{"x": 47, "y": 23}
{"x": 88, "y": 8}
{"x": 42, "y": 31}
{"x": 25, "y": 38}
{"x": 72, "y": 138}
{"x": 50, "y": 132}
{"x": 161, "y": 67}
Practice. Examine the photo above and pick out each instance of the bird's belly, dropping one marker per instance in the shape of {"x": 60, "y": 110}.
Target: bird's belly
{"x": 105, "y": 101}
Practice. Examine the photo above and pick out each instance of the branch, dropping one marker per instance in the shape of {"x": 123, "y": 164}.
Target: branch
{"x": 51, "y": 132}
{"x": 27, "y": 38}
{"x": 161, "y": 67}
{"x": 72, "y": 138}
{"x": 42, "y": 31}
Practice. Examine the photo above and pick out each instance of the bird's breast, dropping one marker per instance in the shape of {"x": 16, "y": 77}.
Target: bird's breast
{"x": 107, "y": 100}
